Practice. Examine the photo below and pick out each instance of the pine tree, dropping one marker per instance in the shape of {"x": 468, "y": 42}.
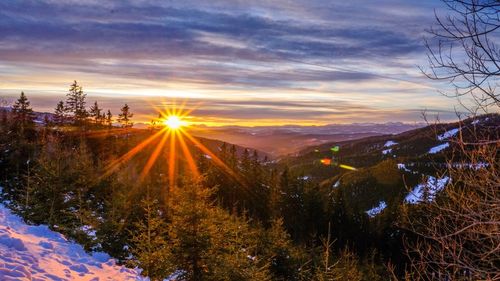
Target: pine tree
{"x": 323, "y": 271}
{"x": 275, "y": 199}
{"x": 46, "y": 121}
{"x": 109, "y": 119}
{"x": 153, "y": 125}
{"x": 102, "y": 118}
{"x": 23, "y": 117}
{"x": 206, "y": 242}
{"x": 47, "y": 203}
{"x": 83, "y": 180}
{"x": 233, "y": 158}
{"x": 149, "y": 242}
{"x": 80, "y": 178}
{"x": 114, "y": 230}
{"x": 346, "y": 268}
{"x": 246, "y": 162}
{"x": 26, "y": 196}
{"x": 256, "y": 171}
{"x": 95, "y": 113}
{"x": 204, "y": 167}
{"x": 4, "y": 120}
{"x": 276, "y": 246}
{"x": 21, "y": 141}
{"x": 59, "y": 114}
{"x": 75, "y": 103}
{"x": 4, "y": 129}
{"x": 293, "y": 203}
{"x": 124, "y": 118}
{"x": 223, "y": 152}
{"x": 189, "y": 230}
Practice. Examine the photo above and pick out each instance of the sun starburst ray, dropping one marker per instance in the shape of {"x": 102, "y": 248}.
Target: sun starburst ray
{"x": 99, "y": 133}
{"x": 189, "y": 157}
{"x": 171, "y": 160}
{"x": 187, "y": 112}
{"x": 173, "y": 132}
{"x": 215, "y": 159}
{"x": 154, "y": 156}
{"x": 110, "y": 168}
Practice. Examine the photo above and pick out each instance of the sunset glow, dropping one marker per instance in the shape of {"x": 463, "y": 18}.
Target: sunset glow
{"x": 300, "y": 69}
{"x": 172, "y": 141}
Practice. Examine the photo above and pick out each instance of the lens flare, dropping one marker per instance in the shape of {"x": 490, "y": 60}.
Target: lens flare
{"x": 326, "y": 161}
{"x": 347, "y": 167}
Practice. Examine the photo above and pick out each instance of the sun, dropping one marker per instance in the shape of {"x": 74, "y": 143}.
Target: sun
{"x": 173, "y": 122}
{"x": 171, "y": 139}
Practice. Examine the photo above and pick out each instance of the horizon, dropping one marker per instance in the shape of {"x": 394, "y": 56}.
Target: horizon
{"x": 200, "y": 125}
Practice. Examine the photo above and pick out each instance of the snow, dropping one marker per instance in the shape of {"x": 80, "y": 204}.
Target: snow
{"x": 438, "y": 148}
{"x": 87, "y": 229}
{"x": 67, "y": 197}
{"x": 448, "y": 134}
{"x": 376, "y": 210}
{"x": 387, "y": 151}
{"x": 402, "y": 166}
{"x": 390, "y": 143}
{"x": 337, "y": 184}
{"x": 433, "y": 185}
{"x": 473, "y": 166}
{"x": 37, "y": 253}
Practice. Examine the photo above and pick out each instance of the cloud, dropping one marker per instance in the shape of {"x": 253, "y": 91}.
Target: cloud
{"x": 219, "y": 50}
{"x": 76, "y": 34}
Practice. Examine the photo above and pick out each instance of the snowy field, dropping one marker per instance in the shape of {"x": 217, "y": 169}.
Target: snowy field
{"x": 36, "y": 253}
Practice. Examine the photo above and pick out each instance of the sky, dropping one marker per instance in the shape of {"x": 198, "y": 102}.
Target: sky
{"x": 236, "y": 62}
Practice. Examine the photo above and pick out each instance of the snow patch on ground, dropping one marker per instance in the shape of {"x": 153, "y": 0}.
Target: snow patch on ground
{"x": 402, "y": 166}
{"x": 376, "y": 210}
{"x": 390, "y": 143}
{"x": 386, "y": 151}
{"x": 37, "y": 253}
{"x": 438, "y": 148}
{"x": 473, "y": 166}
{"x": 337, "y": 184}
{"x": 433, "y": 186}
{"x": 448, "y": 134}
{"x": 87, "y": 229}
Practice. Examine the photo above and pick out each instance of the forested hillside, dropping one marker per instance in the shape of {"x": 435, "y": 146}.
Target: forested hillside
{"x": 340, "y": 209}
{"x": 240, "y": 217}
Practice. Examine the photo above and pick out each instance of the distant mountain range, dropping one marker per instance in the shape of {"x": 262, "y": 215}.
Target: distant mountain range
{"x": 278, "y": 141}
{"x": 285, "y": 140}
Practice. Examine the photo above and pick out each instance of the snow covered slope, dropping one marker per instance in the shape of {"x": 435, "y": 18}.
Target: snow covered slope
{"x": 37, "y": 253}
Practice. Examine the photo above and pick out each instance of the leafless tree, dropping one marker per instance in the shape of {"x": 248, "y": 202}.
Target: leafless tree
{"x": 463, "y": 50}
{"x": 458, "y": 234}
